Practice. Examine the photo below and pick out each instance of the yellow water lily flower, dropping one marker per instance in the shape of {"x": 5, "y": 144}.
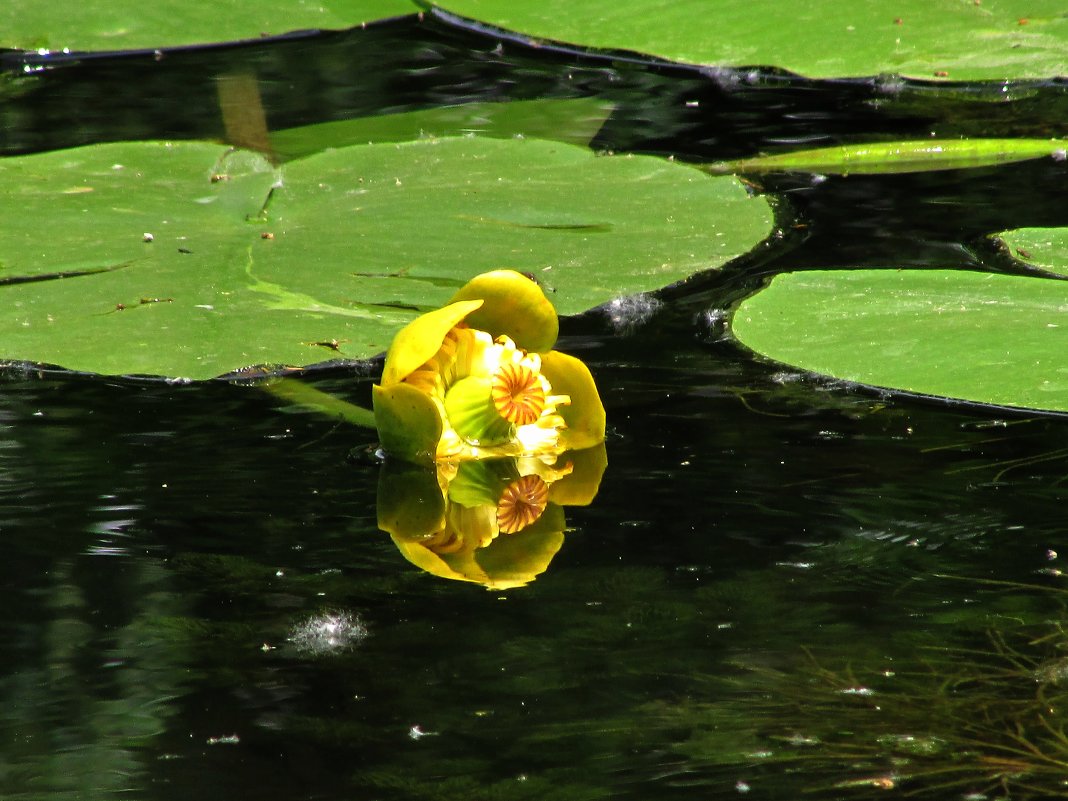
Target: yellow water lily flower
{"x": 495, "y": 522}
{"x": 478, "y": 379}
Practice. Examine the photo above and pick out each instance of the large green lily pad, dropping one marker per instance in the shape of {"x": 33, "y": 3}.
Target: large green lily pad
{"x": 982, "y": 337}
{"x": 129, "y": 24}
{"x": 346, "y": 248}
{"x": 951, "y": 39}
{"x": 1043, "y": 248}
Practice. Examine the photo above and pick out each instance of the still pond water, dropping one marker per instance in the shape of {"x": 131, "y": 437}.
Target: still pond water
{"x": 786, "y": 587}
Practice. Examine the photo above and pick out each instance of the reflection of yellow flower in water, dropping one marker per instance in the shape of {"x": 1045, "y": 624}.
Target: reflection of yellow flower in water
{"x": 521, "y": 503}
{"x": 478, "y": 379}
{"x": 496, "y": 522}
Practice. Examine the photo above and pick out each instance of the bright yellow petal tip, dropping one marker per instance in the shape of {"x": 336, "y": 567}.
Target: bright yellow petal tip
{"x": 515, "y": 307}
{"x": 417, "y": 342}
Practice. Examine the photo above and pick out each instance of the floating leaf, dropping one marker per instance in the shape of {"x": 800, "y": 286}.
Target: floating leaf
{"x": 956, "y": 39}
{"x": 981, "y": 337}
{"x": 925, "y": 155}
{"x": 128, "y": 24}
{"x": 330, "y": 256}
{"x": 1043, "y": 248}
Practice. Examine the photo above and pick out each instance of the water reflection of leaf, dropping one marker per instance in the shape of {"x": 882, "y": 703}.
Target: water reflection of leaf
{"x": 496, "y": 522}
{"x": 89, "y": 686}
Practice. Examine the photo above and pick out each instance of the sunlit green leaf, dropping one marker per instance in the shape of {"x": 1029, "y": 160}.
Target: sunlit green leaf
{"x": 952, "y": 39}
{"x": 127, "y": 24}
{"x": 180, "y": 260}
{"x": 892, "y": 157}
{"x": 1044, "y": 248}
{"x": 982, "y": 337}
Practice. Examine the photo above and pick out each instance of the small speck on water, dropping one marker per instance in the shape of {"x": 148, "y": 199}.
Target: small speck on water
{"x": 226, "y": 739}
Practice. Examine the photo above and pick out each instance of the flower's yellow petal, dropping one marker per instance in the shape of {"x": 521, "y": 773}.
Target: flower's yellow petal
{"x": 580, "y": 487}
{"x": 584, "y": 416}
{"x": 410, "y": 503}
{"x": 409, "y": 422}
{"x": 514, "y": 306}
{"x": 417, "y": 342}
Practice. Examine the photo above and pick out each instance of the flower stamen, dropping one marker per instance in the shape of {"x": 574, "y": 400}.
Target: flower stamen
{"x": 521, "y": 503}
{"x": 518, "y": 394}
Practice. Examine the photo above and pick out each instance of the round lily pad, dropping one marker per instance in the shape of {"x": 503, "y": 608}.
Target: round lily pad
{"x": 128, "y": 25}
{"x": 186, "y": 260}
{"x": 949, "y": 39}
{"x": 980, "y": 337}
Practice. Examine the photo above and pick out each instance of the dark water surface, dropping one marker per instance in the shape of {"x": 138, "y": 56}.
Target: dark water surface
{"x": 787, "y": 587}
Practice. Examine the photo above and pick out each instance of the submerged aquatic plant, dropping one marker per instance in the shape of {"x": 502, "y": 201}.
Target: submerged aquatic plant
{"x": 478, "y": 379}
{"x": 981, "y": 721}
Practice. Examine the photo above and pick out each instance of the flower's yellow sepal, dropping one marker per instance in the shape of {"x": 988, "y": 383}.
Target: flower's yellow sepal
{"x": 515, "y": 306}
{"x": 409, "y": 423}
{"x": 584, "y": 416}
{"x": 418, "y": 341}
